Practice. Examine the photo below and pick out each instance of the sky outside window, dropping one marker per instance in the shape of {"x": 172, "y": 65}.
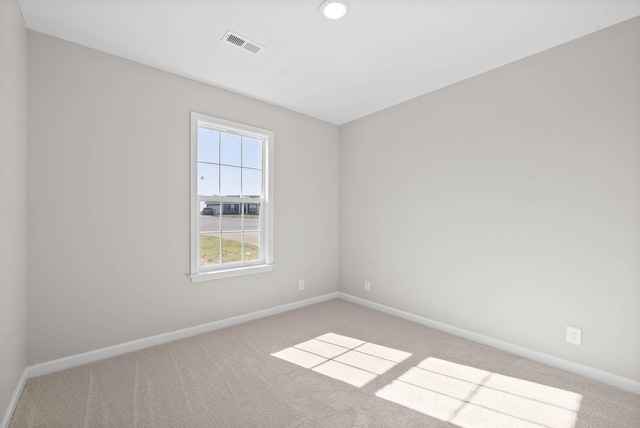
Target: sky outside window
{"x": 251, "y": 182}
{"x": 208, "y": 179}
{"x": 208, "y": 145}
{"x": 251, "y": 153}
{"x": 230, "y": 149}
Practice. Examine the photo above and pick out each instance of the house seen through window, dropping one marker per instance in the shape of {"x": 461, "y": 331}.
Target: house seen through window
{"x": 231, "y": 198}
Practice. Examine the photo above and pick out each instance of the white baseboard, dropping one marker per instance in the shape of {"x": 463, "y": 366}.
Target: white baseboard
{"x": 570, "y": 366}
{"x": 135, "y": 345}
{"x": 14, "y": 399}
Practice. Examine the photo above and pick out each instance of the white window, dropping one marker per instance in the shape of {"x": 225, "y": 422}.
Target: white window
{"x": 231, "y": 198}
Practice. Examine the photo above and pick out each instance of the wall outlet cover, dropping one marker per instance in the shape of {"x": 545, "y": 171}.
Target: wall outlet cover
{"x": 574, "y": 335}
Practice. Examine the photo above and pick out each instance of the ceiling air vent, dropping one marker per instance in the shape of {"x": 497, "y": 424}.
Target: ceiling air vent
{"x": 242, "y": 42}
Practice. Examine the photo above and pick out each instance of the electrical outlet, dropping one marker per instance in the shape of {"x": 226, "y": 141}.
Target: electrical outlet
{"x": 367, "y": 286}
{"x": 574, "y": 335}
{"x": 301, "y": 285}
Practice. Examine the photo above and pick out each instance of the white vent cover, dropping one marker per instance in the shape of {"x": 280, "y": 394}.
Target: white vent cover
{"x": 242, "y": 42}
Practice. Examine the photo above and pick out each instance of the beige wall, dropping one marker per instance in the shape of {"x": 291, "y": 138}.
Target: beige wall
{"x": 13, "y": 199}
{"x": 109, "y": 202}
{"x": 508, "y": 204}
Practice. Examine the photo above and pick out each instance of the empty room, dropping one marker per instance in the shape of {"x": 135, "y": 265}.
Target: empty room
{"x": 339, "y": 213}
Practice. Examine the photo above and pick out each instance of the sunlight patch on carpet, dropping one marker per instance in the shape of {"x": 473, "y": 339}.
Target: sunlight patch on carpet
{"x": 346, "y": 359}
{"x": 474, "y": 398}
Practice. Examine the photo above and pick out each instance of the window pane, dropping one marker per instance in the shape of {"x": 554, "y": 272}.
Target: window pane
{"x": 209, "y": 225}
{"x": 229, "y": 181}
{"x": 210, "y": 218}
{"x": 231, "y": 247}
{"x": 208, "y": 145}
{"x": 209, "y": 249}
{"x": 208, "y": 179}
{"x": 229, "y": 149}
{"x": 251, "y": 152}
{"x": 231, "y": 219}
{"x": 251, "y": 217}
{"x": 212, "y": 208}
{"x": 251, "y": 246}
{"x": 251, "y": 182}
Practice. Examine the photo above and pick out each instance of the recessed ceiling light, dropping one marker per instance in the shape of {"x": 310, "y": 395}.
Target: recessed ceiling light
{"x": 333, "y": 9}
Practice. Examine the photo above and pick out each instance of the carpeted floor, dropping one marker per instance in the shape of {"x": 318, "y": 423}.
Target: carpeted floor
{"x": 334, "y": 364}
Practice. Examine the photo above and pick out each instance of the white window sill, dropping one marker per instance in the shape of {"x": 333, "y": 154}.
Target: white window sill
{"x": 228, "y": 273}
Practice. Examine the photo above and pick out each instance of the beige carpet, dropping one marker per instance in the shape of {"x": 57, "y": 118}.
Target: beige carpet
{"x": 334, "y": 364}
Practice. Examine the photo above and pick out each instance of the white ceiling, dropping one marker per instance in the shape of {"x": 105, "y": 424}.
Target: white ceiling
{"x": 382, "y": 53}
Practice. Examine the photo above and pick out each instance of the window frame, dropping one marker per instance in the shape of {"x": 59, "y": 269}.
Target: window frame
{"x": 266, "y": 262}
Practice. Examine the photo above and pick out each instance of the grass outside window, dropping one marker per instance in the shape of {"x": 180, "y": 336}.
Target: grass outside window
{"x": 231, "y": 250}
